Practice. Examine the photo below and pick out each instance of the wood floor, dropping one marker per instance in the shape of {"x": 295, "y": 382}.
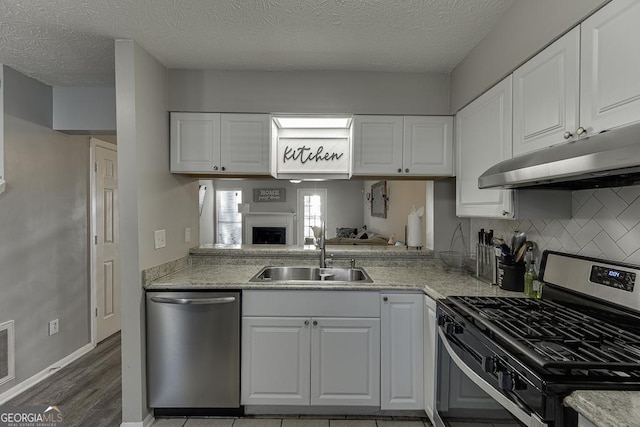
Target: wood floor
{"x": 88, "y": 390}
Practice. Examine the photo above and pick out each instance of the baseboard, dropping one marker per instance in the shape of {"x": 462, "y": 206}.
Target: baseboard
{"x": 147, "y": 422}
{"x": 44, "y": 374}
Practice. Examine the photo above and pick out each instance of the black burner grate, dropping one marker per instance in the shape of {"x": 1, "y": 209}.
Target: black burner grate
{"x": 554, "y": 335}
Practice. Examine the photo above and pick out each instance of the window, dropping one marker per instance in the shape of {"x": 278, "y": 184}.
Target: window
{"x": 312, "y": 212}
{"x": 229, "y": 220}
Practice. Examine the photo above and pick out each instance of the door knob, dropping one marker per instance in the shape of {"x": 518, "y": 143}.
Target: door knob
{"x": 215, "y": 168}
{"x": 581, "y": 130}
{"x": 399, "y": 170}
{"x": 315, "y": 323}
{"x": 568, "y": 135}
{"x": 223, "y": 168}
{"x": 306, "y": 323}
{"x": 407, "y": 170}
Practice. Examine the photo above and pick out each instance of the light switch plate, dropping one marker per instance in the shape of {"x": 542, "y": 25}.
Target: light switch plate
{"x": 187, "y": 234}
{"x": 160, "y": 238}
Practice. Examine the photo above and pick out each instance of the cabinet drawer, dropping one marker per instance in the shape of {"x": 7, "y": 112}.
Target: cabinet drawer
{"x": 311, "y": 303}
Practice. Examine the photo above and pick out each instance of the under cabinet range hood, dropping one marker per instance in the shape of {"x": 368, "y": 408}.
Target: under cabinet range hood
{"x": 311, "y": 147}
{"x": 608, "y": 159}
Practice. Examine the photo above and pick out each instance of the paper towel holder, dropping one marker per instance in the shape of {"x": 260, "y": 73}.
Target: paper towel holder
{"x": 379, "y": 199}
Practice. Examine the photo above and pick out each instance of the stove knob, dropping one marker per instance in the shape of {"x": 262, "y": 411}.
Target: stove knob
{"x": 488, "y": 364}
{"x": 506, "y": 381}
{"x": 453, "y": 329}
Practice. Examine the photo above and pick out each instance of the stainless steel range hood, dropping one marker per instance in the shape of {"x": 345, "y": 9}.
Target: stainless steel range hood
{"x": 608, "y": 159}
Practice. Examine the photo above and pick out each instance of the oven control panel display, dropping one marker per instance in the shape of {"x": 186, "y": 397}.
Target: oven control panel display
{"x": 624, "y": 280}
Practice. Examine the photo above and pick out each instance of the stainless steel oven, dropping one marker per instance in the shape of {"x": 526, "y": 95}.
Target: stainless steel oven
{"x": 526, "y": 355}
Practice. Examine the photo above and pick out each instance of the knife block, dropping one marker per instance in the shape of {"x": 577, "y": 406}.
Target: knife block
{"x": 486, "y": 263}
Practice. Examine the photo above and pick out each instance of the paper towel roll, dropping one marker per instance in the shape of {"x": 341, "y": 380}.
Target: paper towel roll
{"x": 414, "y": 230}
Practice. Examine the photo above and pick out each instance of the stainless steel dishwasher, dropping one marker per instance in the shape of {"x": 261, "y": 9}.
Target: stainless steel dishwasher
{"x": 193, "y": 349}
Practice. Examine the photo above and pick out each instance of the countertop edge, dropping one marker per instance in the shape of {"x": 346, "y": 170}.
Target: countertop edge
{"x": 606, "y": 408}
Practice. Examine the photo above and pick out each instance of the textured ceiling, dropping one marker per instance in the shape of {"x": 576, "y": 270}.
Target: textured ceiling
{"x": 70, "y": 42}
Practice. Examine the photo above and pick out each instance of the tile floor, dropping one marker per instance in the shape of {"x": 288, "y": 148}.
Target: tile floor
{"x": 311, "y": 422}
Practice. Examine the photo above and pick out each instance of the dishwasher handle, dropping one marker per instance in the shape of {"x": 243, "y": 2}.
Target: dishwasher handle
{"x": 194, "y": 301}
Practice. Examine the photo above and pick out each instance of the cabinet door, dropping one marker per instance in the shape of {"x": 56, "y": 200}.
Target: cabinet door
{"x": 345, "y": 362}
{"x": 401, "y": 351}
{"x": 275, "y": 361}
{"x": 428, "y": 146}
{"x": 377, "y": 145}
{"x": 195, "y": 142}
{"x": 610, "y": 66}
{"x": 430, "y": 352}
{"x": 483, "y": 138}
{"x": 244, "y": 143}
{"x": 545, "y": 96}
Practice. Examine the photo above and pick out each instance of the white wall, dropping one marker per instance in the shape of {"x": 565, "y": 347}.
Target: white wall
{"x": 151, "y": 198}
{"x": 44, "y": 257}
{"x": 525, "y": 29}
{"x": 308, "y": 92}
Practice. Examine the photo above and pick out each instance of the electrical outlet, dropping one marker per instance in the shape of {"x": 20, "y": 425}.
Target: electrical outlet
{"x": 187, "y": 235}
{"x": 160, "y": 238}
{"x": 53, "y": 327}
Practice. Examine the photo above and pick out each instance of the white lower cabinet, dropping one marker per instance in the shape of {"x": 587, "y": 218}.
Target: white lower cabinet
{"x": 402, "y": 351}
{"x": 275, "y": 360}
{"x": 345, "y": 362}
{"x": 430, "y": 352}
{"x": 330, "y": 358}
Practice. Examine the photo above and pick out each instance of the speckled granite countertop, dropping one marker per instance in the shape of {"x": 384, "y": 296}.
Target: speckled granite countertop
{"x": 607, "y": 408}
{"x": 434, "y": 281}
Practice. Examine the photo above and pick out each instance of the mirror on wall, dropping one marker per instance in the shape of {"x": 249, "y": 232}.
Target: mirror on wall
{"x": 379, "y": 199}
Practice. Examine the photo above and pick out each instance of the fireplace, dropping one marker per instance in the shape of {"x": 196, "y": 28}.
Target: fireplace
{"x": 269, "y": 235}
{"x": 275, "y": 227}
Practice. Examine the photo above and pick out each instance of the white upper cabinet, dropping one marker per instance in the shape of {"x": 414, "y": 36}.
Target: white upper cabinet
{"x": 545, "y": 96}
{"x": 403, "y": 145}
{"x": 214, "y": 143}
{"x": 195, "y": 142}
{"x": 428, "y": 145}
{"x": 377, "y": 145}
{"x": 610, "y": 66}
{"x": 244, "y": 143}
{"x": 483, "y": 138}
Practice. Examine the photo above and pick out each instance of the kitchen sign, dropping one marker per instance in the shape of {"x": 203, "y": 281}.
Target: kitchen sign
{"x": 313, "y": 156}
{"x": 269, "y": 195}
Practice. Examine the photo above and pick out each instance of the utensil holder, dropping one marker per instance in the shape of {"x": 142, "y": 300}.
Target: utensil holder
{"x": 511, "y": 276}
{"x": 486, "y": 264}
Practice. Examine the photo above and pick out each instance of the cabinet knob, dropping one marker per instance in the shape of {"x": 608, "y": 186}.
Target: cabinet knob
{"x": 399, "y": 170}
{"x": 568, "y": 135}
{"x": 306, "y": 323}
{"x": 505, "y": 213}
{"x": 581, "y": 130}
{"x": 315, "y": 323}
{"x": 385, "y": 299}
{"x": 223, "y": 168}
{"x": 407, "y": 170}
{"x": 215, "y": 168}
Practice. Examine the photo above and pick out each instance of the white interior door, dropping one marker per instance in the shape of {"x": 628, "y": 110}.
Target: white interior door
{"x": 106, "y": 242}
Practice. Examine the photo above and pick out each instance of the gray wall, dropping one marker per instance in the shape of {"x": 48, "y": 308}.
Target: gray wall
{"x": 151, "y": 198}
{"x": 27, "y": 98}
{"x": 526, "y": 28}
{"x": 308, "y": 92}
{"x": 86, "y": 110}
{"x": 44, "y": 243}
{"x": 344, "y": 200}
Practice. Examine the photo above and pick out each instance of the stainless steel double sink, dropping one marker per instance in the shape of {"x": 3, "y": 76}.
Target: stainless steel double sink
{"x": 311, "y": 274}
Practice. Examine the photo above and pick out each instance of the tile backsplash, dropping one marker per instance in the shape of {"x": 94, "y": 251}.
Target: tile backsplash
{"x": 605, "y": 223}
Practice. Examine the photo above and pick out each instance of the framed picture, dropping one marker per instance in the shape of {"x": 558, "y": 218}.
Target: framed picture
{"x": 379, "y": 199}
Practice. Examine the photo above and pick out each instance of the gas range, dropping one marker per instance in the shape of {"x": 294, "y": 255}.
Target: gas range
{"x": 528, "y": 354}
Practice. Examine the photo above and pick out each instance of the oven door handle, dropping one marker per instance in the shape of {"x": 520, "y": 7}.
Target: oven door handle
{"x": 528, "y": 419}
